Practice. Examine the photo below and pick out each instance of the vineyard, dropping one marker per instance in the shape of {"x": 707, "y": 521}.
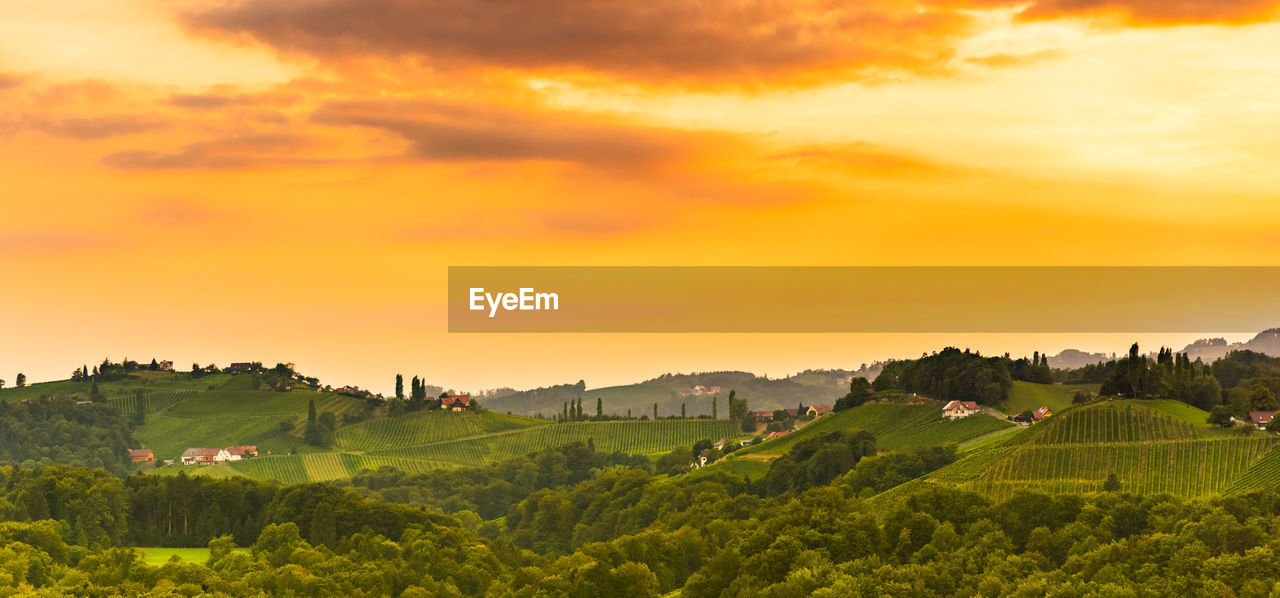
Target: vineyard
{"x": 1148, "y": 450}
{"x": 424, "y": 427}
{"x": 1264, "y": 474}
{"x": 1106, "y": 423}
{"x": 153, "y": 401}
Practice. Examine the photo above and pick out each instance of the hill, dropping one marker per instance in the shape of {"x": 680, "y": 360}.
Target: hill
{"x": 1029, "y": 395}
{"x": 692, "y": 391}
{"x": 896, "y": 426}
{"x": 1150, "y": 446}
{"x": 1266, "y": 342}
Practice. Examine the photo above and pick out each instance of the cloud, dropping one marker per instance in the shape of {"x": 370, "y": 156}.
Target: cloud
{"x": 657, "y": 41}
{"x": 1006, "y": 60}
{"x": 232, "y": 152}
{"x": 9, "y": 80}
{"x": 92, "y": 127}
{"x": 1138, "y": 13}
{"x": 443, "y": 131}
{"x": 207, "y": 101}
{"x": 866, "y": 159}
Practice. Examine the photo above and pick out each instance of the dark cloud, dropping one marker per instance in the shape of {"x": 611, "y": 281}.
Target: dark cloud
{"x": 234, "y": 152}
{"x": 451, "y": 132}
{"x": 657, "y": 41}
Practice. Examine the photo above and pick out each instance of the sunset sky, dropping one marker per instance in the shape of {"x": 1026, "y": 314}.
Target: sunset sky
{"x": 288, "y": 180}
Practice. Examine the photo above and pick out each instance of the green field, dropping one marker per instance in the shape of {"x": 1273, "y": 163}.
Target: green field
{"x": 155, "y": 555}
{"x": 1029, "y": 395}
{"x": 895, "y": 427}
{"x": 424, "y": 427}
{"x": 1151, "y": 446}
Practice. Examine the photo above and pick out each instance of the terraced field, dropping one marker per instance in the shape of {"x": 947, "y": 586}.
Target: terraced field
{"x": 1105, "y": 423}
{"x": 154, "y": 400}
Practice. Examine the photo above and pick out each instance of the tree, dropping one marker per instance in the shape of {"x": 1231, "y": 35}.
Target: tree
{"x": 1273, "y": 426}
{"x": 139, "y": 407}
{"x": 682, "y": 412}
{"x": 21, "y": 380}
{"x": 713, "y": 407}
{"x": 599, "y": 408}
{"x": 95, "y": 393}
{"x": 1112, "y": 484}
{"x": 655, "y": 412}
{"x": 1221, "y": 415}
{"x": 400, "y": 386}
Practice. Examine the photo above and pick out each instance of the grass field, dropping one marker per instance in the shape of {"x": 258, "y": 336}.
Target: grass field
{"x": 425, "y": 427}
{"x": 155, "y": 555}
{"x": 1029, "y": 395}
{"x": 895, "y": 427}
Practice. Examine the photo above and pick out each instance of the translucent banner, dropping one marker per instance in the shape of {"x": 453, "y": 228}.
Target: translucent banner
{"x": 863, "y": 299}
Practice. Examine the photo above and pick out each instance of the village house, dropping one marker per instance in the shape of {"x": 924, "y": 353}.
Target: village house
{"x": 1261, "y": 418}
{"x": 818, "y": 410}
{"x": 244, "y": 366}
{"x": 456, "y": 402}
{"x": 762, "y": 416}
{"x": 347, "y": 390}
{"x": 1033, "y": 417}
{"x": 959, "y": 409}
{"x": 204, "y": 456}
{"x": 238, "y": 452}
{"x": 166, "y": 366}
{"x": 142, "y": 456}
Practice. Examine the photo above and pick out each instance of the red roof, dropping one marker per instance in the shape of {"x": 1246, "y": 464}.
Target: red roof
{"x": 1261, "y": 417}
{"x": 955, "y": 405}
{"x": 821, "y": 408}
{"x": 448, "y": 401}
{"x": 139, "y": 452}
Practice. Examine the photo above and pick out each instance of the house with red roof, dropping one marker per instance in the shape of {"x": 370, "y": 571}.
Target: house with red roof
{"x": 959, "y": 409}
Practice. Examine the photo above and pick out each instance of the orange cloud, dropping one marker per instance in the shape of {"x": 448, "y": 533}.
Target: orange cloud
{"x": 8, "y": 81}
{"x": 233, "y": 152}
{"x": 1136, "y": 13}
{"x": 86, "y": 128}
{"x": 658, "y": 42}
{"x": 864, "y": 159}
{"x": 1003, "y": 60}
{"x": 455, "y": 132}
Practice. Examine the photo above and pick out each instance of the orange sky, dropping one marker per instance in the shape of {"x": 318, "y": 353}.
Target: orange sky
{"x": 288, "y": 180}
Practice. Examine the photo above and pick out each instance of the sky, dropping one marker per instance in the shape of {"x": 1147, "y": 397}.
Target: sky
{"x": 288, "y": 180}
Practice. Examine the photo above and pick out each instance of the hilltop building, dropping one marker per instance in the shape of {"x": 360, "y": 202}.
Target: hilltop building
{"x": 959, "y": 409}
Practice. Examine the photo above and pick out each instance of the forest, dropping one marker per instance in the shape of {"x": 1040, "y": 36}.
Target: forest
{"x": 620, "y": 530}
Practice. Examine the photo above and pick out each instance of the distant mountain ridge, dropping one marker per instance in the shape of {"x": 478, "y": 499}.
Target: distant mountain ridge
{"x": 1209, "y": 349}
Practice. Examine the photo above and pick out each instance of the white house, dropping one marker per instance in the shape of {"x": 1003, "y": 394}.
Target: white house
{"x": 959, "y": 409}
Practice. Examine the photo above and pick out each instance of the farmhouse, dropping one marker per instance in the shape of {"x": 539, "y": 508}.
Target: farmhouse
{"x": 244, "y": 366}
{"x": 142, "y": 456}
{"x": 203, "y": 456}
{"x": 1261, "y": 418}
{"x": 818, "y": 410}
{"x": 347, "y": 390}
{"x": 959, "y": 409}
{"x": 166, "y": 366}
{"x": 762, "y": 416}
{"x": 1041, "y": 413}
{"x": 238, "y": 452}
{"x": 456, "y": 402}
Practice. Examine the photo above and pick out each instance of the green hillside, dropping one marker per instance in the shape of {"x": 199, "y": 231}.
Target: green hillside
{"x": 896, "y": 426}
{"x": 1150, "y": 446}
{"x": 1029, "y": 395}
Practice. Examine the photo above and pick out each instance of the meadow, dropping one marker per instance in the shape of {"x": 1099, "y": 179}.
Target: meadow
{"x": 895, "y": 426}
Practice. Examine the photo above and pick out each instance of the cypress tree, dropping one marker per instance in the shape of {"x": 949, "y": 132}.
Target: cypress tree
{"x": 399, "y": 386}
{"x": 655, "y": 412}
{"x": 599, "y": 407}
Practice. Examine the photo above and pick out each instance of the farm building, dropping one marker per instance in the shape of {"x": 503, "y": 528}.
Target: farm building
{"x": 141, "y": 456}
{"x": 762, "y": 416}
{"x": 204, "y": 456}
{"x": 1261, "y": 418}
{"x": 959, "y": 409}
{"x": 1032, "y": 417}
{"x": 245, "y": 366}
{"x": 238, "y": 452}
{"x": 456, "y": 402}
{"x": 818, "y": 410}
{"x": 347, "y": 390}
{"x": 166, "y": 366}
